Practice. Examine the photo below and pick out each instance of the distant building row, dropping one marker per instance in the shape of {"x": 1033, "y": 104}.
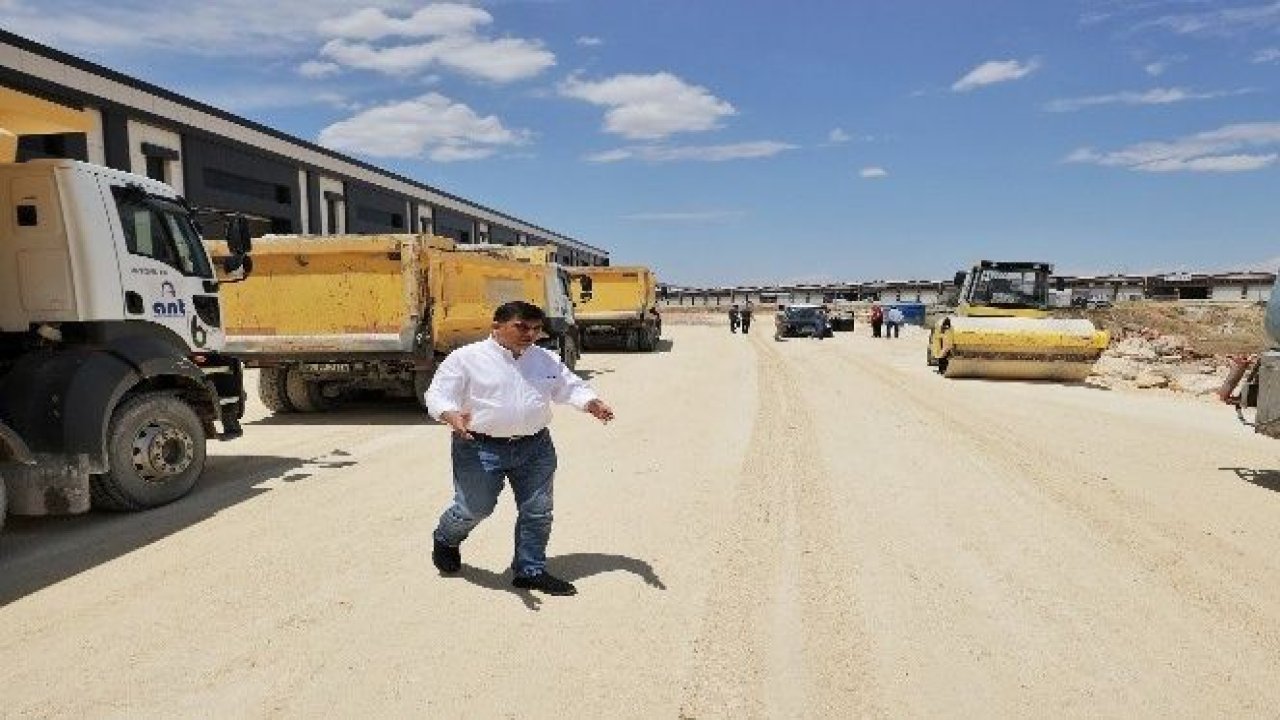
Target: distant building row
{"x": 1248, "y": 286}
{"x": 225, "y": 163}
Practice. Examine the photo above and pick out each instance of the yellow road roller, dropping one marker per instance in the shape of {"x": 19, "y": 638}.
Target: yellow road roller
{"x": 1002, "y": 329}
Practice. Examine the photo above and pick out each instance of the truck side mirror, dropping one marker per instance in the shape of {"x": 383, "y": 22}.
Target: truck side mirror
{"x": 236, "y": 268}
{"x": 960, "y": 276}
{"x": 239, "y": 241}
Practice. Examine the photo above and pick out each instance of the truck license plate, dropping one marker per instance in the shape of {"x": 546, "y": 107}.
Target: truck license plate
{"x": 326, "y": 367}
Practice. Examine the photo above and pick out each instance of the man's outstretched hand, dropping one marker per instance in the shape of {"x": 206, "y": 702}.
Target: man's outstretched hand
{"x": 599, "y": 410}
{"x": 460, "y": 422}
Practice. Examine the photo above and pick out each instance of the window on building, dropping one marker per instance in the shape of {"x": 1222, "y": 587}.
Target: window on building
{"x": 157, "y": 168}
{"x": 248, "y": 187}
{"x": 383, "y": 218}
{"x": 331, "y": 215}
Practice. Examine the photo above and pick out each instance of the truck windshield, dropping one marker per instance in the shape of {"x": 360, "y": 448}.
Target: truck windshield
{"x": 162, "y": 230}
{"x": 801, "y": 313}
{"x": 1010, "y": 288}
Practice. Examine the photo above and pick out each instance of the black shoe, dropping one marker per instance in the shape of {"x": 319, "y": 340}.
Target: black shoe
{"x": 544, "y": 582}
{"x": 448, "y": 560}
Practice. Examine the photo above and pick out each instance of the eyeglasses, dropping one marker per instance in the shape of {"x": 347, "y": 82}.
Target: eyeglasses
{"x": 526, "y": 327}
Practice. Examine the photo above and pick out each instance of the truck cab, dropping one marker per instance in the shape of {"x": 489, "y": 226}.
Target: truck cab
{"x": 111, "y": 371}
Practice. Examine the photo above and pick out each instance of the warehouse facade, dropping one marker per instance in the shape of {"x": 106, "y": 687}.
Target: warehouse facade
{"x": 224, "y": 163}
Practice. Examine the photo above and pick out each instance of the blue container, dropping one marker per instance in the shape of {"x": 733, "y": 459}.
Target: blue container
{"x": 912, "y": 312}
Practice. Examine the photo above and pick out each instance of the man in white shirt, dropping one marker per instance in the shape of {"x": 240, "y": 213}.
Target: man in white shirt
{"x": 496, "y": 394}
{"x": 892, "y": 322}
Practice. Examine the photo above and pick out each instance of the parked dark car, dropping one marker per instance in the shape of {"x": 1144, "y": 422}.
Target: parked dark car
{"x": 801, "y": 320}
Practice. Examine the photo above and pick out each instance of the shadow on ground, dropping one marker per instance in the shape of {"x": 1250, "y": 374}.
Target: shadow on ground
{"x": 601, "y": 347}
{"x": 1269, "y": 479}
{"x": 38, "y": 552}
{"x": 572, "y": 567}
{"x": 355, "y": 412}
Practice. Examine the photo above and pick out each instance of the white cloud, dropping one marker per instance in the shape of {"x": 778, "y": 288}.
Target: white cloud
{"x": 1221, "y": 150}
{"x": 223, "y": 28}
{"x": 318, "y": 69}
{"x": 504, "y": 60}
{"x": 872, "y": 173}
{"x": 437, "y": 20}
{"x": 838, "y": 136}
{"x": 1267, "y": 55}
{"x": 498, "y": 60}
{"x": 995, "y": 71}
{"x": 1155, "y": 69}
{"x": 1155, "y": 96}
{"x": 588, "y": 41}
{"x": 431, "y": 126}
{"x": 1227, "y": 22}
{"x": 449, "y": 40}
{"x": 285, "y": 28}
{"x": 694, "y": 216}
{"x": 650, "y": 107}
{"x": 693, "y": 153}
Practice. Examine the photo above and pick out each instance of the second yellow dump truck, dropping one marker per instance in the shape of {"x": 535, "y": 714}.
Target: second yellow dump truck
{"x": 617, "y": 304}
{"x": 331, "y": 317}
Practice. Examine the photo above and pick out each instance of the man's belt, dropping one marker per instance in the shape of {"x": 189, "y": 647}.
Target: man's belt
{"x": 505, "y": 438}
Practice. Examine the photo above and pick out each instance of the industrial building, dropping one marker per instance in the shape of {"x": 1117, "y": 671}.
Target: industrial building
{"x": 1228, "y": 286}
{"x": 221, "y": 162}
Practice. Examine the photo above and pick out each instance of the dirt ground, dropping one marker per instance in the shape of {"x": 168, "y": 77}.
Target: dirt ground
{"x": 821, "y": 529}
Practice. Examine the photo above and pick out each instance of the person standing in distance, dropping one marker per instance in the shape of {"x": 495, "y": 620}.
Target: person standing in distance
{"x": 893, "y": 321}
{"x": 744, "y": 317}
{"x": 496, "y": 394}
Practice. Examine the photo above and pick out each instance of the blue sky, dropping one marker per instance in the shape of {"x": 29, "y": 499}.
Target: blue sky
{"x": 745, "y": 141}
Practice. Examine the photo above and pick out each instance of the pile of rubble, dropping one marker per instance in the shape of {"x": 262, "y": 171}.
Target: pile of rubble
{"x": 1144, "y": 358}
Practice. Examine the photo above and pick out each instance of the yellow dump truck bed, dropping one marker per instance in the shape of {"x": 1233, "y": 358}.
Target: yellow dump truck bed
{"x": 617, "y": 293}
{"x": 352, "y": 294}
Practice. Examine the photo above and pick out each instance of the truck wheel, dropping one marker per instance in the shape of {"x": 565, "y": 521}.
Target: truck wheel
{"x": 568, "y": 351}
{"x": 648, "y": 340}
{"x": 302, "y": 393}
{"x": 633, "y": 339}
{"x": 155, "y": 454}
{"x": 422, "y": 381}
{"x": 271, "y": 390}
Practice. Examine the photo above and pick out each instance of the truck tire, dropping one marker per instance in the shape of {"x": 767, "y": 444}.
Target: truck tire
{"x": 271, "y": 390}
{"x": 155, "y": 453}
{"x": 422, "y": 381}
{"x": 568, "y": 351}
{"x": 648, "y": 339}
{"x": 633, "y": 339}
{"x": 302, "y": 393}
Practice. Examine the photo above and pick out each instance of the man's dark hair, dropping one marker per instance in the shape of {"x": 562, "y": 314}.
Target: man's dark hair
{"x": 518, "y": 310}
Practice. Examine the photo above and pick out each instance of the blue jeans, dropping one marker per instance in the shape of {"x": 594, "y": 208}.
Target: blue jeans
{"x": 479, "y": 469}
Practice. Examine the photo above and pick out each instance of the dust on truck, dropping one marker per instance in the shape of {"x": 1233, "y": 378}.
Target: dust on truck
{"x": 112, "y": 375}
{"x": 617, "y": 304}
{"x": 328, "y": 318}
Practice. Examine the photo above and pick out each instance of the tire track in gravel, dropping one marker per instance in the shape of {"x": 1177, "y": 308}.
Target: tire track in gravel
{"x": 783, "y": 631}
{"x": 1128, "y": 523}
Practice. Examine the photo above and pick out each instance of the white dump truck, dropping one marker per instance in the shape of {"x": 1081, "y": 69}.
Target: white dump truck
{"x": 111, "y": 371}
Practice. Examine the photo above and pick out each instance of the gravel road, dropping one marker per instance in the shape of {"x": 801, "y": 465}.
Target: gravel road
{"x": 799, "y": 529}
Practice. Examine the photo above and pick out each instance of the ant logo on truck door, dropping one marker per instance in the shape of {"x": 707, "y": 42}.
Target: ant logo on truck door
{"x": 169, "y": 305}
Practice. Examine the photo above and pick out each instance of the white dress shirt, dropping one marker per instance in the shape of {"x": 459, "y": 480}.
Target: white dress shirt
{"x": 506, "y": 395}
